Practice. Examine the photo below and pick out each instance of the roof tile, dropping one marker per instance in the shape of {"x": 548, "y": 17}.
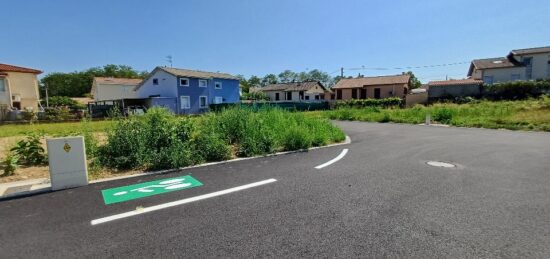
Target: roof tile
{"x": 12, "y": 68}
{"x": 468, "y": 81}
{"x": 359, "y": 82}
{"x": 117, "y": 81}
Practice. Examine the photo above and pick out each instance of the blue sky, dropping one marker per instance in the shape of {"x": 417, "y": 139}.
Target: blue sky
{"x": 257, "y": 37}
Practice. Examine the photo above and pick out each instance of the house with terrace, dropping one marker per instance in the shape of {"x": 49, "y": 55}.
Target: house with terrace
{"x": 308, "y": 91}
{"x": 519, "y": 64}
{"x": 185, "y": 91}
{"x": 377, "y": 87}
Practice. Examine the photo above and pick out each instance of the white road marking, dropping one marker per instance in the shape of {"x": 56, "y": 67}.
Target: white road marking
{"x": 180, "y": 202}
{"x": 344, "y": 152}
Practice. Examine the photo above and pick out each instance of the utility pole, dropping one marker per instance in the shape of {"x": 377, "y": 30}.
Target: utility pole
{"x": 47, "y": 99}
{"x": 342, "y": 72}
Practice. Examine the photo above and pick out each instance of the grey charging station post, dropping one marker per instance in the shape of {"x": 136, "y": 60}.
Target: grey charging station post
{"x": 67, "y": 162}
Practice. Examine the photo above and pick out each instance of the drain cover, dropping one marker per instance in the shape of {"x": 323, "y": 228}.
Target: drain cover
{"x": 440, "y": 164}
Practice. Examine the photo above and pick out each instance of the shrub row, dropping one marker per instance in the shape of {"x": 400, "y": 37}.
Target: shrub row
{"x": 516, "y": 90}
{"x": 362, "y": 103}
{"x": 160, "y": 140}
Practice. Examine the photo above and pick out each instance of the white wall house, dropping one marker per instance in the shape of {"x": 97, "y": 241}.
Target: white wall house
{"x": 109, "y": 88}
{"x": 309, "y": 91}
{"x": 520, "y": 64}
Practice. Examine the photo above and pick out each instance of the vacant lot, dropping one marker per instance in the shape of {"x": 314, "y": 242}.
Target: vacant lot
{"x": 160, "y": 140}
{"x": 532, "y": 114}
{"x": 52, "y": 129}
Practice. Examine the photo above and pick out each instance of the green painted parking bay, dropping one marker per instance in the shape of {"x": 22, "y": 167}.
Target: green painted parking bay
{"x": 141, "y": 190}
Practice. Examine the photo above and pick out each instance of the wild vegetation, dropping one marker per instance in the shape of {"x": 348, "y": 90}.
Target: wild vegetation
{"x": 160, "y": 140}
{"x": 530, "y": 114}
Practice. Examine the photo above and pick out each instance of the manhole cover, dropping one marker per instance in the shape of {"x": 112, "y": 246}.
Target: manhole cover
{"x": 440, "y": 164}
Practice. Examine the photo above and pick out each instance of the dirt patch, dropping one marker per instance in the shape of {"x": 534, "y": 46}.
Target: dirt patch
{"x": 25, "y": 173}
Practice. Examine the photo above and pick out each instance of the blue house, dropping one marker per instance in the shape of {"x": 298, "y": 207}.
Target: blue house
{"x": 186, "y": 91}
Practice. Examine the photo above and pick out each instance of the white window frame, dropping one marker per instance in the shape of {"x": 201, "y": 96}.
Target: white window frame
{"x": 216, "y": 85}
{"x": 218, "y": 99}
{"x": 183, "y": 78}
{"x": 188, "y": 102}
{"x": 157, "y": 80}
{"x": 205, "y": 102}
{"x": 205, "y": 82}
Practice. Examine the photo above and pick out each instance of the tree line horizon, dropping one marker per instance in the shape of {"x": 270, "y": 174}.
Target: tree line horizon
{"x": 79, "y": 83}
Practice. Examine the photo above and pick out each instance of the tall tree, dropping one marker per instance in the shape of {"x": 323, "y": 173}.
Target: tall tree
{"x": 269, "y": 79}
{"x": 254, "y": 81}
{"x": 79, "y": 83}
{"x": 287, "y": 76}
{"x": 245, "y": 86}
{"x": 323, "y": 77}
{"x": 415, "y": 83}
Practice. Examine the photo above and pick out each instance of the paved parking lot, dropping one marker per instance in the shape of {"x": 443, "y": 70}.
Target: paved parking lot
{"x": 380, "y": 199}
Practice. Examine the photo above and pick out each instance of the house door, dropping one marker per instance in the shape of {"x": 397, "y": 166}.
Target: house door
{"x": 376, "y": 93}
{"x": 363, "y": 93}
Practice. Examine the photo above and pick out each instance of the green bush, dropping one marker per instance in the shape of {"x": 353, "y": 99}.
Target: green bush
{"x": 58, "y": 113}
{"x": 30, "y": 149}
{"x": 124, "y": 146}
{"x": 516, "y": 90}
{"x": 296, "y": 139}
{"x": 385, "y": 118}
{"x": 211, "y": 147}
{"x": 362, "y": 103}
{"x": 255, "y": 96}
{"x": 11, "y": 162}
{"x": 58, "y": 101}
{"x": 443, "y": 115}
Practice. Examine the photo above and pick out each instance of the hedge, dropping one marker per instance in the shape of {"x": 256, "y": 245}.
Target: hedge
{"x": 516, "y": 90}
{"x": 290, "y": 106}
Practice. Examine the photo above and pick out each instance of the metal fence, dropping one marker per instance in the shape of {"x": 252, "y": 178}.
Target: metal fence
{"x": 292, "y": 106}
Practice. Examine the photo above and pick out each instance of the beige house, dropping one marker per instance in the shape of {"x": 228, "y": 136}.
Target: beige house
{"x": 309, "y": 91}
{"x": 377, "y": 87}
{"x": 519, "y": 64}
{"x": 18, "y": 88}
{"x": 109, "y": 88}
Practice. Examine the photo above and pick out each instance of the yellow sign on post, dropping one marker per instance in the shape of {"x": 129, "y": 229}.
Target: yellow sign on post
{"x": 67, "y": 162}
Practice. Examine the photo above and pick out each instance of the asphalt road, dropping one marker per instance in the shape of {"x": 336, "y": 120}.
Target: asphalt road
{"x": 380, "y": 200}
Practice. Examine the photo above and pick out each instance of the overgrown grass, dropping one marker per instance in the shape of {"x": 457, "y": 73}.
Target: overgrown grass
{"x": 531, "y": 114}
{"x": 52, "y": 129}
{"x": 160, "y": 140}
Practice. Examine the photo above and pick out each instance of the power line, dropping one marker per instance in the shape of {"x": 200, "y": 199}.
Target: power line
{"x": 402, "y": 68}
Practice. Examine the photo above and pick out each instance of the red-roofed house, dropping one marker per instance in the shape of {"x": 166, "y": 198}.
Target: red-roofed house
{"x": 18, "y": 88}
{"x": 372, "y": 87}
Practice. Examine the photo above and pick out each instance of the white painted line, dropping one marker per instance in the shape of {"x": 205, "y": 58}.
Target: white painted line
{"x": 344, "y": 152}
{"x": 180, "y": 202}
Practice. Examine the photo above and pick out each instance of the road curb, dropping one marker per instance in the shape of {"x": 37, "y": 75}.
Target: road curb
{"x": 46, "y": 189}
{"x": 345, "y": 142}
